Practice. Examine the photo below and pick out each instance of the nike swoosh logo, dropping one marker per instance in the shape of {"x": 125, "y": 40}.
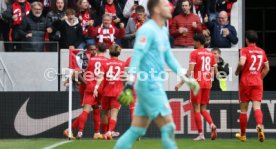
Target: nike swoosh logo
{"x": 27, "y": 126}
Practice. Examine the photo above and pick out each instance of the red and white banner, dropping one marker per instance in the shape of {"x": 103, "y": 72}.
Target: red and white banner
{"x": 78, "y": 59}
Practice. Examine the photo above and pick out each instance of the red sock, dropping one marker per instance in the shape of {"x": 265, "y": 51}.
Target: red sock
{"x": 259, "y": 117}
{"x": 243, "y": 123}
{"x": 82, "y": 120}
{"x": 75, "y": 124}
{"x": 207, "y": 117}
{"x": 104, "y": 128}
{"x": 198, "y": 121}
{"x": 112, "y": 125}
{"x": 97, "y": 120}
{"x": 131, "y": 113}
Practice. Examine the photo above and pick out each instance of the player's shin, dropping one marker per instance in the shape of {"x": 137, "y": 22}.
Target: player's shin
{"x": 198, "y": 121}
{"x": 167, "y": 134}
{"x": 75, "y": 124}
{"x": 243, "y": 123}
{"x": 82, "y": 120}
{"x": 207, "y": 117}
{"x": 129, "y": 137}
{"x": 113, "y": 119}
{"x": 104, "y": 122}
{"x": 96, "y": 120}
{"x": 259, "y": 117}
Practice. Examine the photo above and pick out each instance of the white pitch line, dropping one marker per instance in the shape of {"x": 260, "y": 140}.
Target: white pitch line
{"x": 57, "y": 144}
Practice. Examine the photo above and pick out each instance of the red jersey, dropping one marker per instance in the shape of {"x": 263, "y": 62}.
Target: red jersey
{"x": 251, "y": 72}
{"x": 95, "y": 67}
{"x": 204, "y": 60}
{"x": 113, "y": 70}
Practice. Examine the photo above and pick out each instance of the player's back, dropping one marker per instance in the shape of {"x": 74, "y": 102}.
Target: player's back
{"x": 153, "y": 42}
{"x": 95, "y": 67}
{"x": 113, "y": 84}
{"x": 204, "y": 60}
{"x": 251, "y": 72}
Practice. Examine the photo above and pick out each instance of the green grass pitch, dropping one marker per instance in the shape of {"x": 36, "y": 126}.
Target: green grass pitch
{"x": 143, "y": 144}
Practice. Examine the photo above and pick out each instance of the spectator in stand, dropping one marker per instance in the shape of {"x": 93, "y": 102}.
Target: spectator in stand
{"x": 225, "y": 5}
{"x": 215, "y": 6}
{"x": 86, "y": 17}
{"x": 33, "y": 28}
{"x": 222, "y": 33}
{"x": 185, "y": 26}
{"x": 211, "y": 9}
{"x": 47, "y": 4}
{"x": 14, "y": 14}
{"x": 70, "y": 30}
{"x": 131, "y": 6}
{"x": 219, "y": 83}
{"x": 134, "y": 24}
{"x": 112, "y": 7}
{"x": 4, "y": 25}
{"x": 199, "y": 8}
{"x": 57, "y": 13}
{"x": 107, "y": 33}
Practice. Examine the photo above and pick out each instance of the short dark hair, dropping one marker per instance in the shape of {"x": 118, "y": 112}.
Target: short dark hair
{"x": 70, "y": 11}
{"x": 54, "y": 6}
{"x": 190, "y": 2}
{"x": 152, "y": 4}
{"x": 200, "y": 38}
{"x": 102, "y": 47}
{"x": 115, "y": 50}
{"x": 251, "y": 36}
{"x": 217, "y": 49}
{"x": 139, "y": 8}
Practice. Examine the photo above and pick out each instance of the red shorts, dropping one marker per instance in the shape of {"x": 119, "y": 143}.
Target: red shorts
{"x": 90, "y": 99}
{"x": 110, "y": 103}
{"x": 202, "y": 97}
{"x": 251, "y": 93}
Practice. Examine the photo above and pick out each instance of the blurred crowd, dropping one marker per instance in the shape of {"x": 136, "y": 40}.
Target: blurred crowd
{"x": 27, "y": 25}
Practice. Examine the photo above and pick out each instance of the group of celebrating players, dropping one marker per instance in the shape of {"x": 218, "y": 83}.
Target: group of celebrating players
{"x": 100, "y": 85}
{"x": 104, "y": 87}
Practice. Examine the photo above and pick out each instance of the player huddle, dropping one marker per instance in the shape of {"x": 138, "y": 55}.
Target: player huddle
{"x": 100, "y": 86}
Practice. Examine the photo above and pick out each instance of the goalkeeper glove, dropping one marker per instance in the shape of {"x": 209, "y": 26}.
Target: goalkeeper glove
{"x": 191, "y": 83}
{"x": 126, "y": 96}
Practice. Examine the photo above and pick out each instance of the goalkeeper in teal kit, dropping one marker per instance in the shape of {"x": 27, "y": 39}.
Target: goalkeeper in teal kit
{"x": 152, "y": 52}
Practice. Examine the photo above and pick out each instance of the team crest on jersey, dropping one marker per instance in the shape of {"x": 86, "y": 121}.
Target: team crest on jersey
{"x": 82, "y": 60}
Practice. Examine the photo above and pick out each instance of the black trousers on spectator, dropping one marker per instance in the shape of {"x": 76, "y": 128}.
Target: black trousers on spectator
{"x": 4, "y": 33}
{"x": 16, "y": 40}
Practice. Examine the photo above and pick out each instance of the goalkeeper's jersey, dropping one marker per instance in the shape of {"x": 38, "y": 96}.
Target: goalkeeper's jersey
{"x": 152, "y": 51}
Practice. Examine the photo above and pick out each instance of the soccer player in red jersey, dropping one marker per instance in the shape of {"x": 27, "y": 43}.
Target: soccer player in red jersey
{"x": 113, "y": 87}
{"x": 91, "y": 51}
{"x": 93, "y": 92}
{"x": 202, "y": 65}
{"x": 253, "y": 67}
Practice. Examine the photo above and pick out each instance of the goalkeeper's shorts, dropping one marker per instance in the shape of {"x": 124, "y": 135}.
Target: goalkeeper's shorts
{"x": 151, "y": 103}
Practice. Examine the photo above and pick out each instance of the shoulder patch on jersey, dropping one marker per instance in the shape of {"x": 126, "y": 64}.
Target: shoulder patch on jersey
{"x": 143, "y": 40}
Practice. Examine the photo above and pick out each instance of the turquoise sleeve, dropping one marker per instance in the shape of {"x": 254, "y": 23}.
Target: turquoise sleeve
{"x": 172, "y": 62}
{"x": 142, "y": 45}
